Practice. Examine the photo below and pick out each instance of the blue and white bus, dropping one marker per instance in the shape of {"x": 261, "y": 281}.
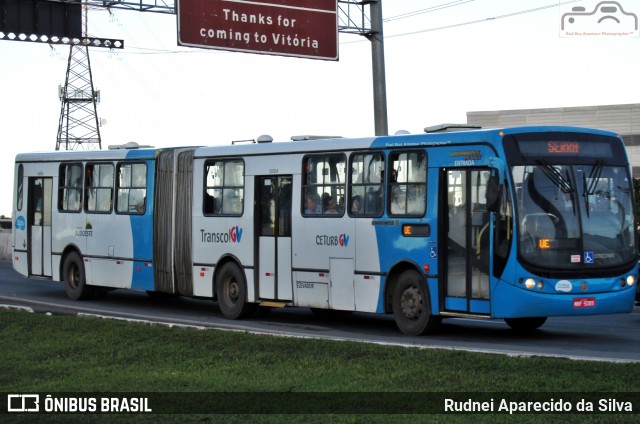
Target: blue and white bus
{"x": 517, "y": 224}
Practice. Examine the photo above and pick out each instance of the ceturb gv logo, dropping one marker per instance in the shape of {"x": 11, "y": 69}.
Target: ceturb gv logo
{"x": 341, "y": 240}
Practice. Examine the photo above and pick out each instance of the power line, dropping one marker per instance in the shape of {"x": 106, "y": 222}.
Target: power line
{"x": 149, "y": 51}
{"x": 427, "y": 10}
{"x": 507, "y": 15}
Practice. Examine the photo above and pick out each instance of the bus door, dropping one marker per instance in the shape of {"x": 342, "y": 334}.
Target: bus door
{"x": 273, "y": 230}
{"x": 39, "y": 222}
{"x": 465, "y": 280}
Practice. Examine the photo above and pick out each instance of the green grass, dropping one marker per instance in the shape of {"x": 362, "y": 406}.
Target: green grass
{"x": 65, "y": 354}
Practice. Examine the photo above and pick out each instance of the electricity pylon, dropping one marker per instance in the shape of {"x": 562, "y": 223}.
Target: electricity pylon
{"x": 79, "y": 126}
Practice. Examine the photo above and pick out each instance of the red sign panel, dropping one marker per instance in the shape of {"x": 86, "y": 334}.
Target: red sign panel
{"x": 301, "y": 28}
{"x": 584, "y": 302}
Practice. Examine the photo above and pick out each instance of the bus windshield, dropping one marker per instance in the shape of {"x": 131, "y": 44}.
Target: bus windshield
{"x": 574, "y": 210}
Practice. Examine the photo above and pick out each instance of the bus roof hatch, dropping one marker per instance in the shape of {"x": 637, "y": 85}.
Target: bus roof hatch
{"x": 451, "y": 128}
{"x": 313, "y": 137}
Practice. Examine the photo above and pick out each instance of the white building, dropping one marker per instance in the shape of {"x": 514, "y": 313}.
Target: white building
{"x": 621, "y": 119}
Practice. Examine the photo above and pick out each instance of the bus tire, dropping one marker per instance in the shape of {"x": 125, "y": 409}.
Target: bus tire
{"x": 231, "y": 291}
{"x": 525, "y": 325}
{"x": 75, "y": 283}
{"x": 411, "y": 305}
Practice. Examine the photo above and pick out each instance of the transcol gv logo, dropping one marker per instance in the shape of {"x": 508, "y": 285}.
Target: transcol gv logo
{"x": 341, "y": 240}
{"x": 233, "y": 235}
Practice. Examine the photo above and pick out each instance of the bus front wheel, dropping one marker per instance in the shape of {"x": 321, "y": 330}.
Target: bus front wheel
{"x": 411, "y": 307}
{"x": 525, "y": 324}
{"x": 75, "y": 283}
{"x": 231, "y": 291}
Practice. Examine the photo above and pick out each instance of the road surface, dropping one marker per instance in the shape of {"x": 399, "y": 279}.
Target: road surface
{"x": 607, "y": 338}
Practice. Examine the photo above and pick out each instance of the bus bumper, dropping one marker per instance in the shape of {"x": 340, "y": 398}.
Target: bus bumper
{"x": 514, "y": 302}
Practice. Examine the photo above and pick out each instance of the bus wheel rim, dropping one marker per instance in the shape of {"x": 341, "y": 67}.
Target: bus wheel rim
{"x": 232, "y": 291}
{"x": 411, "y": 303}
{"x": 74, "y": 276}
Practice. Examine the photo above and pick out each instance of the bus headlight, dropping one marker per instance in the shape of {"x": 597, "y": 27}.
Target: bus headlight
{"x": 631, "y": 280}
{"x": 530, "y": 283}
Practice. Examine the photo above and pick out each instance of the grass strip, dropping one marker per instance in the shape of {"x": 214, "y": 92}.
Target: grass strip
{"x": 66, "y": 354}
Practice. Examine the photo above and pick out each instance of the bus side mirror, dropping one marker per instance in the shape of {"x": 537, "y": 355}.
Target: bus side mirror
{"x": 494, "y": 193}
{"x": 498, "y": 166}
{"x": 494, "y": 185}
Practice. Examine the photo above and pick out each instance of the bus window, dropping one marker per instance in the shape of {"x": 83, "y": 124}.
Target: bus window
{"x": 407, "y": 184}
{"x": 19, "y": 187}
{"x": 99, "y": 187}
{"x": 224, "y": 188}
{"x": 132, "y": 188}
{"x": 37, "y": 210}
{"x": 324, "y": 187}
{"x": 367, "y": 193}
{"x": 503, "y": 233}
{"x": 70, "y": 187}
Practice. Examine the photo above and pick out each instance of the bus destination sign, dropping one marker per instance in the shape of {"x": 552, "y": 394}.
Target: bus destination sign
{"x": 560, "y": 147}
{"x": 299, "y": 28}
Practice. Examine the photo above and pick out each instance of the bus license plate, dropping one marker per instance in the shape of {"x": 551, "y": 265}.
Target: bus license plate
{"x": 584, "y": 302}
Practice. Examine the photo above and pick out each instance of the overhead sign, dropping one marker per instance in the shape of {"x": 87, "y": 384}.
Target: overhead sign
{"x": 300, "y": 28}
{"x": 41, "y": 17}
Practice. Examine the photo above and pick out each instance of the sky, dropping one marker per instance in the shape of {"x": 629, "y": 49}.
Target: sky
{"x": 443, "y": 58}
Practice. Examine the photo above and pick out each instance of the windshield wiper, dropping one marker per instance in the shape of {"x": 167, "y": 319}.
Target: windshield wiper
{"x": 555, "y": 176}
{"x": 594, "y": 177}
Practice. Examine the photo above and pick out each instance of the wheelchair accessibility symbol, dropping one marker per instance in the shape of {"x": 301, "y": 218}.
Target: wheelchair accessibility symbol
{"x": 588, "y": 258}
{"x": 433, "y": 252}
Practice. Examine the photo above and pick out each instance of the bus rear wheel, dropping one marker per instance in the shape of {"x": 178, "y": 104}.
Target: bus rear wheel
{"x": 75, "y": 283}
{"x": 525, "y": 325}
{"x": 231, "y": 291}
{"x": 411, "y": 305}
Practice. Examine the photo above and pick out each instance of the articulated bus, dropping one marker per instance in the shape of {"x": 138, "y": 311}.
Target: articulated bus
{"x": 517, "y": 224}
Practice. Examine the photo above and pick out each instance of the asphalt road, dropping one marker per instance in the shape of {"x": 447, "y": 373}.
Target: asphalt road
{"x": 606, "y": 338}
